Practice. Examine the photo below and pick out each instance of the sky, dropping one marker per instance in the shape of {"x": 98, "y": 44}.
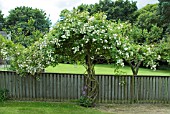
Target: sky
{"x": 54, "y": 7}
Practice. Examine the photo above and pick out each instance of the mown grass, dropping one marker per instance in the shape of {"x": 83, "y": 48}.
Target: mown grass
{"x": 104, "y": 69}
{"x": 45, "y": 108}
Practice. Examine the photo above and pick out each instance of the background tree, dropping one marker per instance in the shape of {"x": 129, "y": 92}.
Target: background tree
{"x": 164, "y": 10}
{"x": 145, "y": 37}
{"x": 148, "y": 24}
{"x": 134, "y": 53}
{"x": 1, "y": 20}
{"x": 114, "y": 10}
{"x": 119, "y": 9}
{"x": 147, "y": 16}
{"x": 131, "y": 52}
{"x": 18, "y": 35}
{"x": 164, "y": 48}
{"x": 26, "y": 20}
{"x": 147, "y": 29}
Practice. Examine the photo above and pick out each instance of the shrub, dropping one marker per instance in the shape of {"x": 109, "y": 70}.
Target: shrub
{"x": 86, "y": 101}
{"x": 3, "y": 94}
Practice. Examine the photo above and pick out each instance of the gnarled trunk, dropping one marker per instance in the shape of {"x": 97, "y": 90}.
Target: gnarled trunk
{"x": 90, "y": 80}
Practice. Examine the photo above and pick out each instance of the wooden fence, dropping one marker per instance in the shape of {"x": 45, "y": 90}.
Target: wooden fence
{"x": 66, "y": 87}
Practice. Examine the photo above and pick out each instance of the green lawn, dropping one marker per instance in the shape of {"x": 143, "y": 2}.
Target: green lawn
{"x": 3, "y": 69}
{"x": 44, "y": 108}
{"x": 104, "y": 69}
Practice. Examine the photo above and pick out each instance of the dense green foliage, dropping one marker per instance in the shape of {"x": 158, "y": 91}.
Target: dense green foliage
{"x": 168, "y": 47}
{"x": 34, "y": 58}
{"x": 148, "y": 25}
{"x": 6, "y": 47}
{"x": 80, "y": 34}
{"x": 114, "y": 10}
{"x": 27, "y": 24}
{"x": 147, "y": 16}
{"x": 1, "y": 20}
{"x": 144, "y": 37}
{"x": 164, "y": 10}
{"x": 3, "y": 95}
{"x": 165, "y": 47}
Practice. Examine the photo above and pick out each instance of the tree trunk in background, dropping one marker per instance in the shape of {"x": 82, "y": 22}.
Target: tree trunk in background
{"x": 135, "y": 69}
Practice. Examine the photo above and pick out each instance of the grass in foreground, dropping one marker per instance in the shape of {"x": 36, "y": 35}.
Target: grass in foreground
{"x": 44, "y": 108}
{"x": 104, "y": 69}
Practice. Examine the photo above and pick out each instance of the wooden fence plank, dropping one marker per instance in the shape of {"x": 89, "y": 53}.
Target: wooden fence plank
{"x": 78, "y": 86}
{"x": 129, "y": 88}
{"x": 20, "y": 88}
{"x": 68, "y": 87}
{"x": 103, "y": 89}
{"x": 41, "y": 95}
{"x": 125, "y": 90}
{"x": 168, "y": 89}
{"x": 59, "y": 87}
{"x": 109, "y": 89}
{"x": 3, "y": 82}
{"x": 55, "y": 86}
{"x": 64, "y": 91}
{"x": 153, "y": 90}
{"x": 99, "y": 92}
{"x": 112, "y": 88}
{"x": 51, "y": 91}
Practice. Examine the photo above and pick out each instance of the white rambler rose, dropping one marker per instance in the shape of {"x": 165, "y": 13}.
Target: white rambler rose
{"x": 127, "y": 55}
{"x": 91, "y": 19}
{"x": 125, "y": 48}
{"x": 94, "y": 40}
{"x": 105, "y": 41}
{"x": 159, "y": 57}
{"x": 63, "y": 36}
{"x": 115, "y": 36}
{"x": 153, "y": 67}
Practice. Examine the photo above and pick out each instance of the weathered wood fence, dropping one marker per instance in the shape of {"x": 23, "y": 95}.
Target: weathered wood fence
{"x": 66, "y": 87}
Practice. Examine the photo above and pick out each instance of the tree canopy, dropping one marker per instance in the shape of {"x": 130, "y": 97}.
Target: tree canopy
{"x": 114, "y": 10}
{"x": 23, "y": 22}
{"x": 138, "y": 53}
{"x": 164, "y": 10}
{"x": 145, "y": 37}
{"x": 147, "y": 16}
